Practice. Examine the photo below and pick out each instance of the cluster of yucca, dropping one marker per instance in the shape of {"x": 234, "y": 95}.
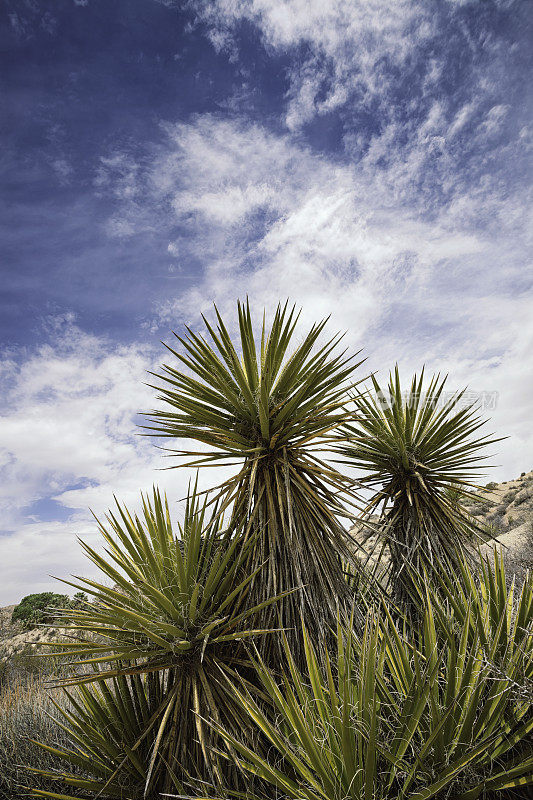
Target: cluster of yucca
{"x": 258, "y": 657}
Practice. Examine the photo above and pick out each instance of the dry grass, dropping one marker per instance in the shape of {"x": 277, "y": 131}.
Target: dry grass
{"x": 24, "y": 703}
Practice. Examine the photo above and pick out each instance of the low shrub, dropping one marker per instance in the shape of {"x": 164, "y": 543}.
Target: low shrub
{"x": 509, "y": 496}
{"x": 522, "y": 496}
{"x": 28, "y": 664}
{"x": 492, "y": 529}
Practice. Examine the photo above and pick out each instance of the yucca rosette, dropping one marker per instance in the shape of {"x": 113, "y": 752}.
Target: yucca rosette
{"x": 175, "y": 605}
{"x": 419, "y": 453}
{"x": 274, "y": 413}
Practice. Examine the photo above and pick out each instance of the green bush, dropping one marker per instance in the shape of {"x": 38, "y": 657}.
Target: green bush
{"x": 42, "y": 608}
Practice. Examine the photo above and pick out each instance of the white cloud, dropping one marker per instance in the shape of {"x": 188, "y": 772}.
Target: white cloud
{"x": 249, "y": 196}
{"x": 349, "y": 42}
{"x": 120, "y": 228}
{"x": 286, "y": 22}
{"x": 461, "y": 118}
{"x": 435, "y": 82}
{"x": 118, "y": 171}
{"x": 335, "y": 239}
{"x": 68, "y": 433}
{"x": 492, "y": 122}
{"x": 352, "y": 52}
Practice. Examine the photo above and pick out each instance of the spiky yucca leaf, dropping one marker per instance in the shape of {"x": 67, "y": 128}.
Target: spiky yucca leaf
{"x": 416, "y": 448}
{"x": 271, "y": 412}
{"x": 112, "y": 726}
{"x": 177, "y": 606}
{"x": 495, "y": 611}
{"x": 387, "y": 720}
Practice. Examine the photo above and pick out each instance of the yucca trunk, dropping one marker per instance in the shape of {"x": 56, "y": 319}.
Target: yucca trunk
{"x": 302, "y": 546}
{"x": 424, "y": 545}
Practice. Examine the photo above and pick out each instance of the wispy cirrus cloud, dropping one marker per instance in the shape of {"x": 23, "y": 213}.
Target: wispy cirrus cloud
{"x": 425, "y": 96}
{"x": 269, "y": 217}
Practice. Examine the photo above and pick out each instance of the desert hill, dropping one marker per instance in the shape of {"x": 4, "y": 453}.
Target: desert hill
{"x": 507, "y": 511}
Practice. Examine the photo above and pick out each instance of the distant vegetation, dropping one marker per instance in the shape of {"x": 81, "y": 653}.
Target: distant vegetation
{"x": 42, "y": 608}
{"x": 25, "y": 715}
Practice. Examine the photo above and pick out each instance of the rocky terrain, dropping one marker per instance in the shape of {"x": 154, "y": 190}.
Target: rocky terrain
{"x": 7, "y": 628}
{"x": 17, "y": 643}
{"x": 505, "y": 509}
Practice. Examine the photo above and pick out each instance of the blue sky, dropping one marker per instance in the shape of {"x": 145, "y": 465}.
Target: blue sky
{"x": 368, "y": 160}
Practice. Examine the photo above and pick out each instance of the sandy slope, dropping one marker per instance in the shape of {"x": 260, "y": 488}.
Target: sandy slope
{"x": 508, "y": 510}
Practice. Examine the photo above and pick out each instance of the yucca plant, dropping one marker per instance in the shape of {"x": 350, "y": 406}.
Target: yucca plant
{"x": 111, "y": 726}
{"x": 477, "y": 728}
{"x": 492, "y": 609}
{"x": 271, "y": 412}
{"x": 420, "y": 453}
{"x": 495, "y": 616}
{"x": 387, "y": 720}
{"x": 179, "y": 607}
